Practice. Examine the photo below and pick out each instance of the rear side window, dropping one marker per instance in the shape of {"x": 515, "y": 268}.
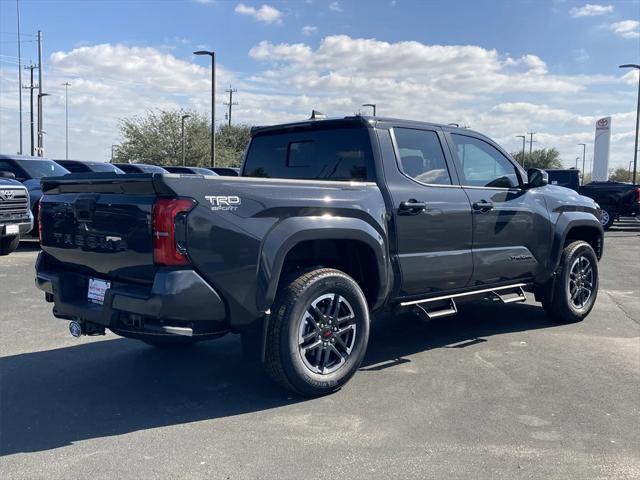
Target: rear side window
{"x": 330, "y": 154}
{"x": 421, "y": 156}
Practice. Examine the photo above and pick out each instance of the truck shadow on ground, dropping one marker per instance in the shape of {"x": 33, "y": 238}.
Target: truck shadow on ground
{"x": 54, "y": 398}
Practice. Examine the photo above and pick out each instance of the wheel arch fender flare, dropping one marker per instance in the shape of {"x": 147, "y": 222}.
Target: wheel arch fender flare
{"x": 567, "y": 223}
{"x": 288, "y": 233}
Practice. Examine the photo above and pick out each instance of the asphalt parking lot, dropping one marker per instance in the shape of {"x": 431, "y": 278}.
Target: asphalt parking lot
{"x": 496, "y": 392}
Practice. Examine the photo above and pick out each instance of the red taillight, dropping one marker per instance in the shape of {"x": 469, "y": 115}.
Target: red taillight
{"x": 637, "y": 190}
{"x": 39, "y": 216}
{"x": 165, "y": 248}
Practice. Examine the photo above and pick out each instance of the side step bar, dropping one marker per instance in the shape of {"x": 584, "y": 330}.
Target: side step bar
{"x": 440, "y": 311}
{"x": 511, "y": 297}
{"x": 520, "y": 296}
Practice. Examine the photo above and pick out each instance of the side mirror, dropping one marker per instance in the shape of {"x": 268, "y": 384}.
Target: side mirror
{"x": 537, "y": 178}
{"x": 10, "y": 175}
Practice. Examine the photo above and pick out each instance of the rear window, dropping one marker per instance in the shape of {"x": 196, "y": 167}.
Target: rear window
{"x": 329, "y": 154}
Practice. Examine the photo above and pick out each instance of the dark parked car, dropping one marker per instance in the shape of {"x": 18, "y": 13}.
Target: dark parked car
{"x": 16, "y": 219}
{"x": 190, "y": 170}
{"x": 616, "y": 199}
{"x": 568, "y": 178}
{"x": 28, "y": 171}
{"x": 139, "y": 168}
{"x": 226, "y": 171}
{"x": 330, "y": 220}
{"x": 79, "y": 166}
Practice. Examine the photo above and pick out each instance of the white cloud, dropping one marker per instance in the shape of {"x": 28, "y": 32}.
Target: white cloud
{"x": 265, "y": 14}
{"x": 309, "y": 30}
{"x": 591, "y": 10}
{"x": 626, "y": 28}
{"x": 494, "y": 93}
{"x": 335, "y": 7}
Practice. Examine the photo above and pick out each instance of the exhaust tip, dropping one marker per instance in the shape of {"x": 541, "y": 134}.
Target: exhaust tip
{"x": 75, "y": 329}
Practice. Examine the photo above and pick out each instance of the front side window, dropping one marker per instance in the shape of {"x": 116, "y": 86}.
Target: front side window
{"x": 421, "y": 156}
{"x": 323, "y": 154}
{"x": 483, "y": 165}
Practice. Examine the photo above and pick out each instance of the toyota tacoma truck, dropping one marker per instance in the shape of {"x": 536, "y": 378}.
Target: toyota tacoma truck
{"x": 16, "y": 219}
{"x": 329, "y": 221}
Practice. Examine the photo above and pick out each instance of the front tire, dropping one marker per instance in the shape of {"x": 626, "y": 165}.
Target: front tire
{"x": 575, "y": 289}
{"x": 318, "y": 332}
{"x": 606, "y": 218}
{"x": 9, "y": 244}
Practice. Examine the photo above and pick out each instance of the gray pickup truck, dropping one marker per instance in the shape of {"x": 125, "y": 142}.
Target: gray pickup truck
{"x": 329, "y": 221}
{"x": 16, "y": 219}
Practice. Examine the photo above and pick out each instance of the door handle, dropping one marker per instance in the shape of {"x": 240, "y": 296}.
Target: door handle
{"x": 412, "y": 206}
{"x": 482, "y": 206}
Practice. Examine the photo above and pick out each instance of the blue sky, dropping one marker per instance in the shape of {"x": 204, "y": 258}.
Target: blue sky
{"x": 501, "y": 67}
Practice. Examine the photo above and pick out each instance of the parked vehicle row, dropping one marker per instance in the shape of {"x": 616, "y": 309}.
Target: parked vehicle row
{"x": 616, "y": 199}
{"x": 329, "y": 221}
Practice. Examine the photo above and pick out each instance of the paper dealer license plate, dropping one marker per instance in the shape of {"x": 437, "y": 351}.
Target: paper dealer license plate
{"x": 97, "y": 289}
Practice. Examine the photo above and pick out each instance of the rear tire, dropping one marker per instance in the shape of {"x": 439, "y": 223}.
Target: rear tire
{"x": 9, "y": 244}
{"x": 318, "y": 332}
{"x": 572, "y": 296}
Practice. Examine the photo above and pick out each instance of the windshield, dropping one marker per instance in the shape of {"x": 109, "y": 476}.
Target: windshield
{"x": 151, "y": 169}
{"x": 42, "y": 168}
{"x": 104, "y": 167}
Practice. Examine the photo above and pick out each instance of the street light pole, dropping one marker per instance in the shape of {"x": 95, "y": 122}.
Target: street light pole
{"x": 524, "y": 142}
{"x": 184, "y": 117}
{"x": 41, "y": 132}
{"x": 635, "y": 150}
{"x": 66, "y": 119}
{"x": 372, "y": 105}
{"x": 584, "y": 152}
{"x": 212, "y": 54}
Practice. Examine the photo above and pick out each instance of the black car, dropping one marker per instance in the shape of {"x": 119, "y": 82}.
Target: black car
{"x": 568, "y": 178}
{"x": 616, "y": 199}
{"x": 79, "y": 166}
{"x": 190, "y": 170}
{"x": 225, "y": 171}
{"x": 28, "y": 171}
{"x": 139, "y": 168}
{"x": 330, "y": 221}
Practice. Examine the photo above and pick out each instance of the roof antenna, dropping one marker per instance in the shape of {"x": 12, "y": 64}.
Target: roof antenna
{"x": 316, "y": 115}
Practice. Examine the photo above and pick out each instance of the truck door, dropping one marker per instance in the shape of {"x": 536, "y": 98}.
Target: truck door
{"x": 430, "y": 213}
{"x": 511, "y": 230}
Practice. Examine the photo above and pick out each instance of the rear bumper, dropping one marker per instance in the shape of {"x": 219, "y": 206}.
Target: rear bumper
{"x": 177, "y": 298}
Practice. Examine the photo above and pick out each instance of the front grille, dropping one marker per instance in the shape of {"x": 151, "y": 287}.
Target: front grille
{"x": 14, "y": 204}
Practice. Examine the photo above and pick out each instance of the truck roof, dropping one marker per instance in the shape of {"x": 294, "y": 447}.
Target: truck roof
{"x": 362, "y": 120}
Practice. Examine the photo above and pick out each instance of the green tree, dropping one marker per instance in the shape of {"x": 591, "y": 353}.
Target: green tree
{"x": 156, "y": 138}
{"x": 542, "y": 158}
{"x": 620, "y": 174}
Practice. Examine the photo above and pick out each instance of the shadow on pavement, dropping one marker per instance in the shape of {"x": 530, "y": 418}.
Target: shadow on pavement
{"x": 28, "y": 246}
{"x": 54, "y": 398}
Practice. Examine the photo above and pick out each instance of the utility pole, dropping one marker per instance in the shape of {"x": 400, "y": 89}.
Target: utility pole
{"x": 66, "y": 119}
{"x": 230, "y": 103}
{"x": 31, "y": 87}
{"x": 40, "y": 95}
{"x": 531, "y": 134}
{"x": 19, "y": 78}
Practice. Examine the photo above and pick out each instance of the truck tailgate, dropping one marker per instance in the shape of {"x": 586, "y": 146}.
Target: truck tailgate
{"x": 101, "y": 224}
